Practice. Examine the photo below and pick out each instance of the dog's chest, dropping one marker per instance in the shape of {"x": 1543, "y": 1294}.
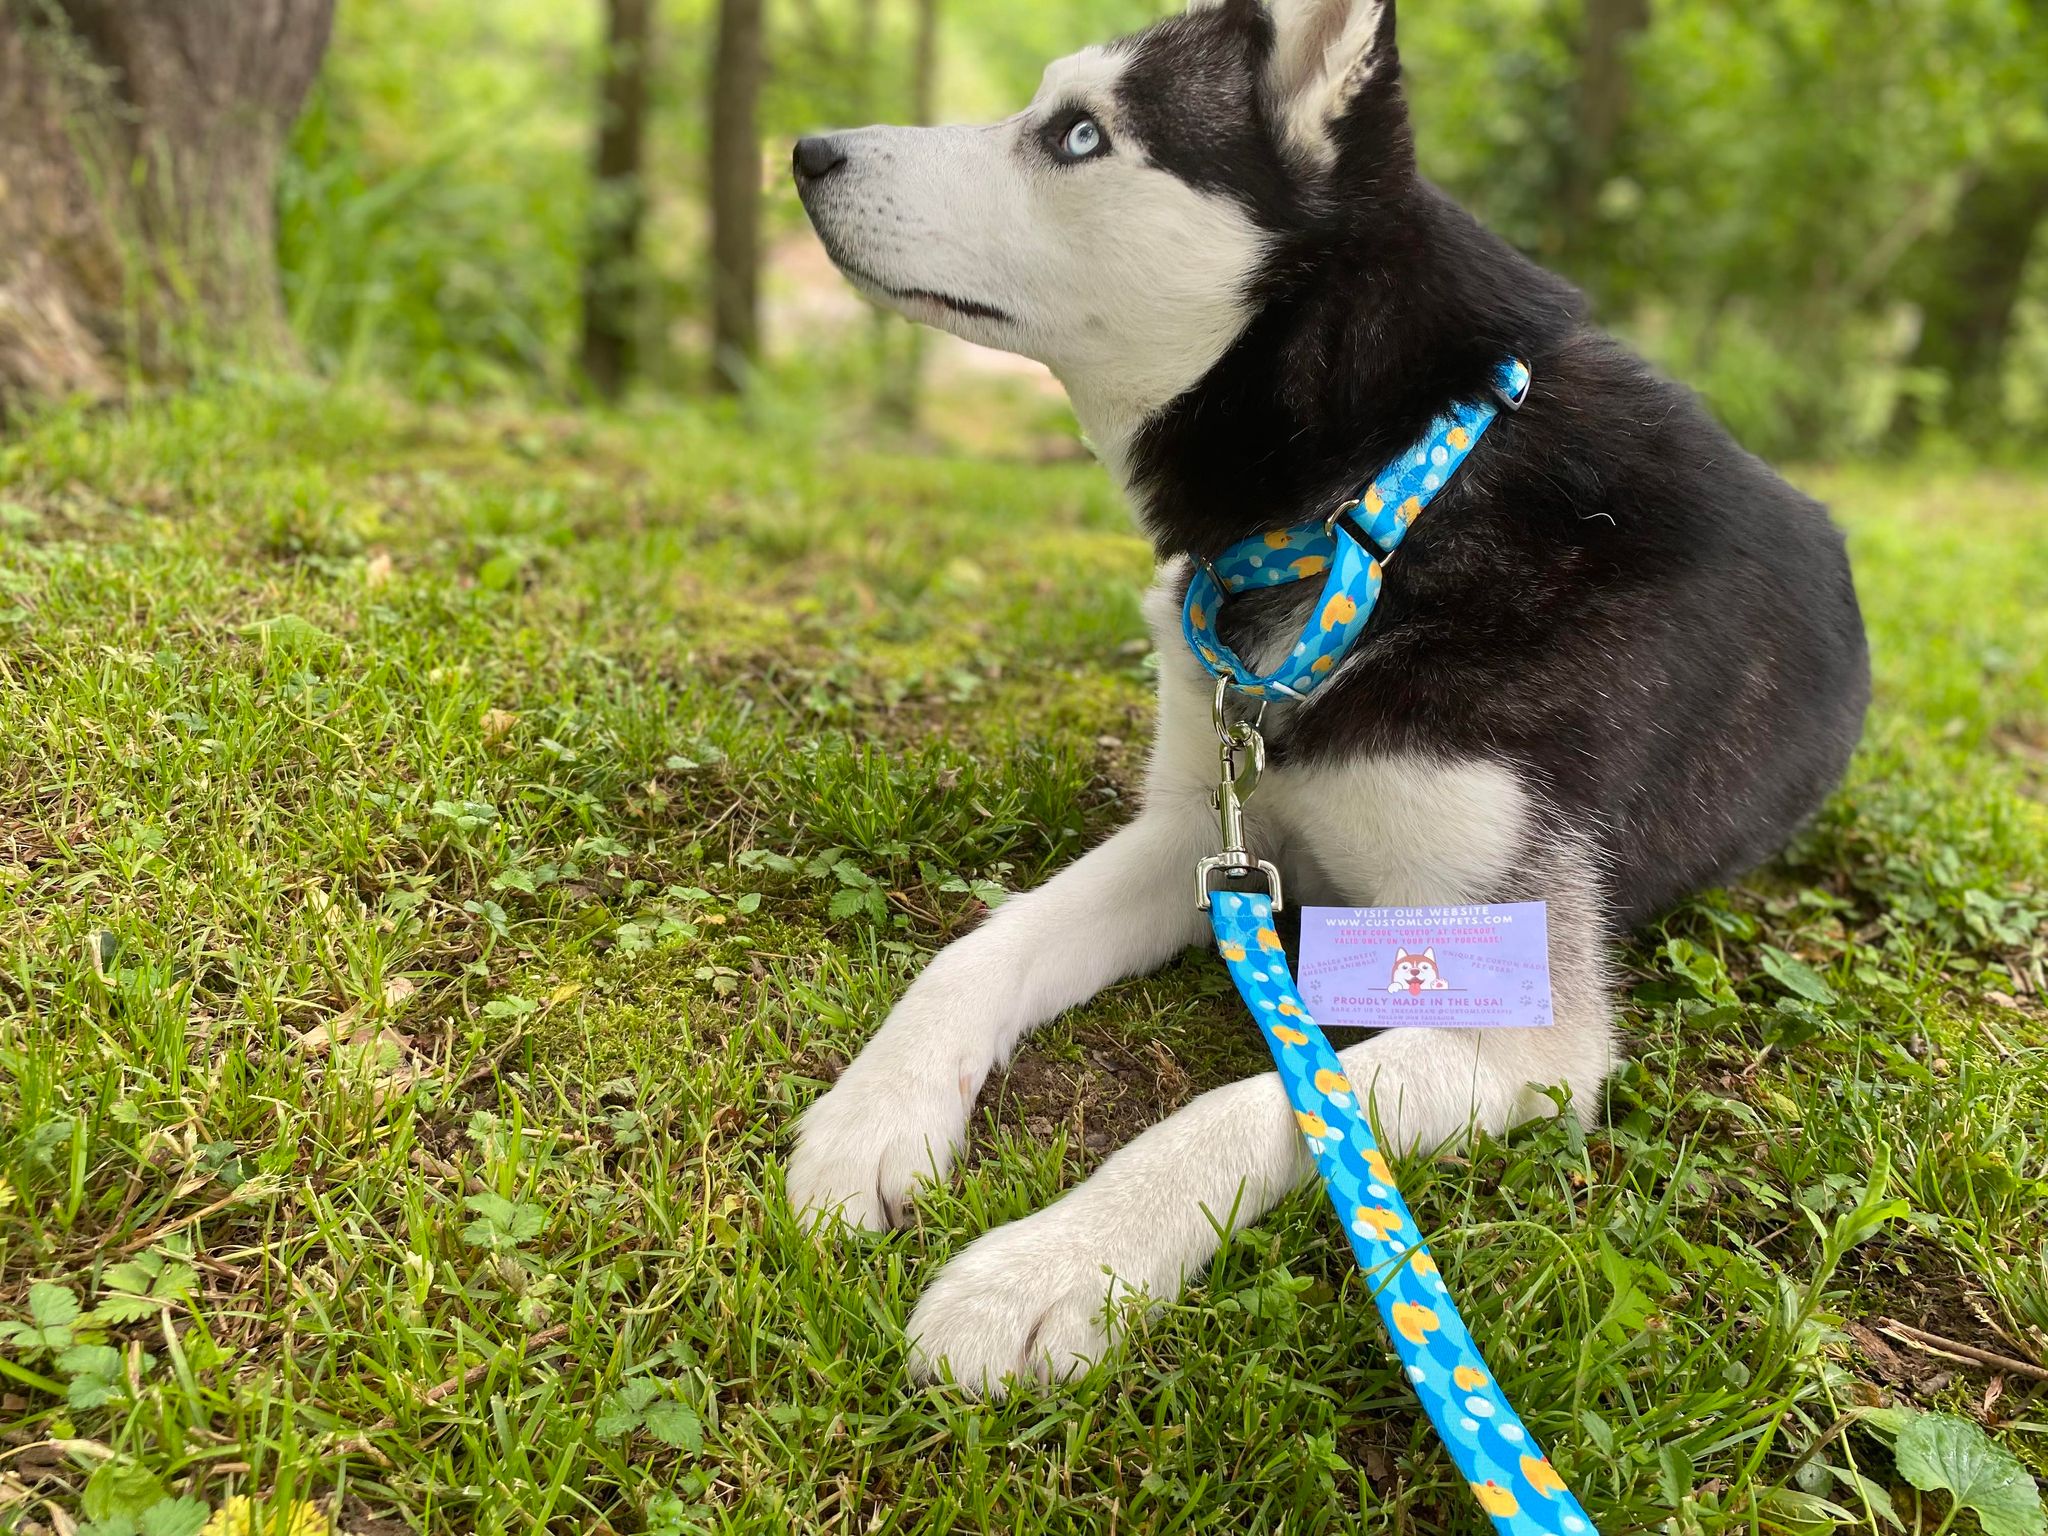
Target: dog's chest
{"x": 1395, "y": 830}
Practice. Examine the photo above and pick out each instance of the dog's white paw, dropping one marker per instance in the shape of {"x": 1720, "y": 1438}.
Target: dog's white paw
{"x": 864, "y": 1146}
{"x": 1030, "y": 1301}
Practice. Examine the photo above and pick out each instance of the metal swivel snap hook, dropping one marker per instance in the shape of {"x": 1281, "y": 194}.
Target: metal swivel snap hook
{"x": 1241, "y": 763}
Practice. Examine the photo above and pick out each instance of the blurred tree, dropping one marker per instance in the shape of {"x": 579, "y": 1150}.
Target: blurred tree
{"x": 618, "y": 204}
{"x": 1970, "y": 283}
{"x": 736, "y": 194}
{"x": 867, "y": 28}
{"x": 900, "y": 396}
{"x": 1600, "y": 112}
{"x": 1967, "y": 305}
{"x": 139, "y": 147}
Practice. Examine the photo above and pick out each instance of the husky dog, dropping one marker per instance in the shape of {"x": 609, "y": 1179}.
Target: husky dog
{"x": 1617, "y": 661}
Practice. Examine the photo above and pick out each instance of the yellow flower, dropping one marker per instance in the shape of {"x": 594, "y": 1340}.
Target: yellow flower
{"x": 239, "y": 1517}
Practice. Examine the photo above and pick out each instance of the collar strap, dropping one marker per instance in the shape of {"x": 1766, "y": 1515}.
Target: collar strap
{"x": 1349, "y": 551}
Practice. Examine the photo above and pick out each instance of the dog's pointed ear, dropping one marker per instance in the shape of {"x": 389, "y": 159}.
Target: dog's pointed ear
{"x": 1429, "y": 954}
{"x": 1325, "y": 53}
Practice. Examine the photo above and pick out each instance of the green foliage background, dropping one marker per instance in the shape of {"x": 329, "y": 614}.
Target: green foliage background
{"x": 1768, "y": 229}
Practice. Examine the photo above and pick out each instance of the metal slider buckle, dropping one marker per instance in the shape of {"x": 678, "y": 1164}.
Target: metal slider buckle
{"x": 1356, "y": 529}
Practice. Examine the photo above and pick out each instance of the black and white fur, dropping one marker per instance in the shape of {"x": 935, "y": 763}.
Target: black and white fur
{"x": 1618, "y": 660}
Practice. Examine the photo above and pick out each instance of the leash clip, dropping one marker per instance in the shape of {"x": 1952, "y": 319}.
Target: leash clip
{"x": 1241, "y": 763}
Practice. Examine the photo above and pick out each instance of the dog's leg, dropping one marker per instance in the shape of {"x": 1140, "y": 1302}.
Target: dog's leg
{"x": 1030, "y": 1298}
{"x": 899, "y": 1113}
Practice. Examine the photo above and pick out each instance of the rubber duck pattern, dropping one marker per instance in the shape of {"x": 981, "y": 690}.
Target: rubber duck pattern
{"x": 1495, "y": 1453}
{"x": 1386, "y": 509}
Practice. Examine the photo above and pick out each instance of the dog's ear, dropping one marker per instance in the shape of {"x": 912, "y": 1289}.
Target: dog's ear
{"x": 1325, "y": 52}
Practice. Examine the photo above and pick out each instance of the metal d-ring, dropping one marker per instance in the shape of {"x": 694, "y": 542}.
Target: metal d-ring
{"x": 1225, "y": 727}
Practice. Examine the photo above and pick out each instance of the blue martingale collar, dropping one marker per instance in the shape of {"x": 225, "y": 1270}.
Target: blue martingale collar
{"x": 1352, "y": 573}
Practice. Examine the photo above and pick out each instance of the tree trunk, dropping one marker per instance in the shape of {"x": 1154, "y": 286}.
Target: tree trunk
{"x": 618, "y": 200}
{"x": 924, "y": 78}
{"x": 901, "y": 398}
{"x": 1599, "y": 113}
{"x": 736, "y": 195}
{"x": 1972, "y": 290}
{"x": 139, "y": 148}
{"x": 867, "y": 30}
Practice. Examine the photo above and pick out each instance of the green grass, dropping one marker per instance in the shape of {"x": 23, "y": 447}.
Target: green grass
{"x": 439, "y": 856}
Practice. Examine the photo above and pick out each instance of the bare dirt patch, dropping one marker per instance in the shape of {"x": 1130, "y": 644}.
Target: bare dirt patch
{"x": 1102, "y": 1086}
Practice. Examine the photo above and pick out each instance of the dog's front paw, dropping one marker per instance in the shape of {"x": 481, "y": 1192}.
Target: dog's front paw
{"x": 1035, "y": 1300}
{"x": 868, "y": 1143}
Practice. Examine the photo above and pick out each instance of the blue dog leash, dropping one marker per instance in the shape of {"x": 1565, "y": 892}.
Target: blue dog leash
{"x": 1509, "y": 1475}
{"x": 1494, "y": 1452}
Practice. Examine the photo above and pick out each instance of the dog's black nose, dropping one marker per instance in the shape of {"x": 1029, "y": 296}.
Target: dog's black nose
{"x": 818, "y": 157}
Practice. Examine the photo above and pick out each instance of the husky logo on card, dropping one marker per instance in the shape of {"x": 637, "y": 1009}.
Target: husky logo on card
{"x": 1417, "y": 974}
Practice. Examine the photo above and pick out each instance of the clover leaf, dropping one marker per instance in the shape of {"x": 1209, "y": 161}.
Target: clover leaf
{"x": 144, "y": 1288}
{"x": 502, "y": 1225}
{"x": 648, "y": 1404}
{"x": 53, "y": 1315}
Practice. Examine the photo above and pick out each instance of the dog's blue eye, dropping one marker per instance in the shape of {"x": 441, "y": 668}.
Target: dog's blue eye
{"x": 1083, "y": 140}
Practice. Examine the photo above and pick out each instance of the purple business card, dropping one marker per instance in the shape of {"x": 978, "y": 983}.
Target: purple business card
{"x": 1427, "y": 967}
